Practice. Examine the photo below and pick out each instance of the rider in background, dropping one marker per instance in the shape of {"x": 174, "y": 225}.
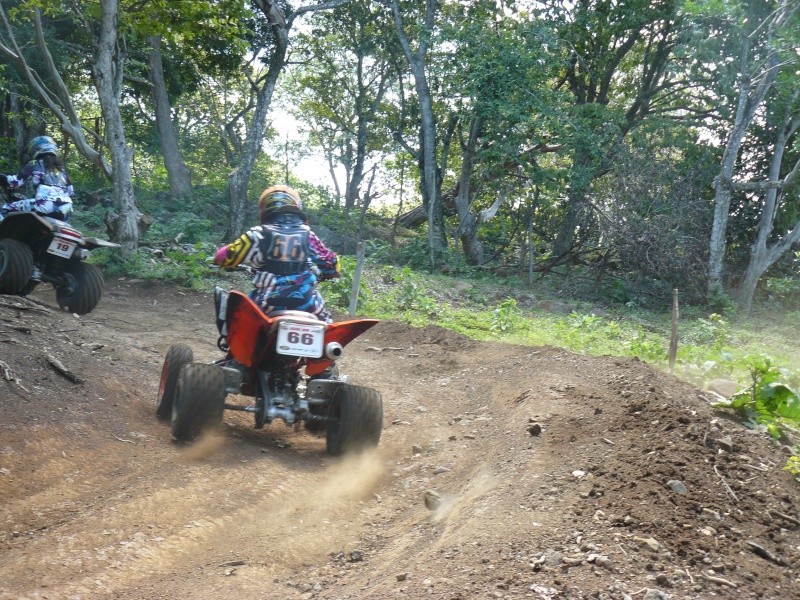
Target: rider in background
{"x": 43, "y": 183}
{"x": 288, "y": 257}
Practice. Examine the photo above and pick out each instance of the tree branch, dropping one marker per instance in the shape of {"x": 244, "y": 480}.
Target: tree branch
{"x": 313, "y": 8}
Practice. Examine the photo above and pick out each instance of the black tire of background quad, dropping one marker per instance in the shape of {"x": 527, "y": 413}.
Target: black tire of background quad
{"x": 199, "y": 401}
{"x": 87, "y": 291}
{"x": 177, "y": 356}
{"x": 357, "y": 414}
{"x": 16, "y": 264}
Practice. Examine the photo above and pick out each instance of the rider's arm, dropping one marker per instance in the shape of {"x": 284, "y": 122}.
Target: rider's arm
{"x": 28, "y": 172}
{"x": 235, "y": 253}
{"x": 325, "y": 259}
{"x": 70, "y": 189}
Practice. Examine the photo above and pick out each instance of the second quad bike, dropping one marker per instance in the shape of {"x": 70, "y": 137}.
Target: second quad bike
{"x": 285, "y": 362}
{"x": 36, "y": 249}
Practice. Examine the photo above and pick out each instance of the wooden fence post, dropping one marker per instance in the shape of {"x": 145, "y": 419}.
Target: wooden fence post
{"x": 357, "y": 278}
{"x": 673, "y": 341}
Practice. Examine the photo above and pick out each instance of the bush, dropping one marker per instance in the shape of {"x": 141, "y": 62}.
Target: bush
{"x": 656, "y": 229}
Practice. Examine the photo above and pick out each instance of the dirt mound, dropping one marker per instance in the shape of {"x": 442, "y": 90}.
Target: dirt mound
{"x": 503, "y": 471}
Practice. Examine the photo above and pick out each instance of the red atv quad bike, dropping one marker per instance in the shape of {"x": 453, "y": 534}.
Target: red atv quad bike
{"x": 285, "y": 361}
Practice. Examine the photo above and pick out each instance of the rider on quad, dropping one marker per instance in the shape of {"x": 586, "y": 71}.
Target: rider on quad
{"x": 43, "y": 183}
{"x": 287, "y": 256}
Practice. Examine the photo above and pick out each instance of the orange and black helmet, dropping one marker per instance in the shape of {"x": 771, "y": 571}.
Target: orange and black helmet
{"x": 279, "y": 199}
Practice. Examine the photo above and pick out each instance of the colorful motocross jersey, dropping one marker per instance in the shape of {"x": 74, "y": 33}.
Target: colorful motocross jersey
{"x": 45, "y": 192}
{"x": 286, "y": 246}
{"x": 289, "y": 259}
{"x": 35, "y": 181}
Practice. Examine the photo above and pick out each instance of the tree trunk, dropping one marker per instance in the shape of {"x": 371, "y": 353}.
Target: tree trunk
{"x": 751, "y": 96}
{"x": 18, "y": 124}
{"x": 437, "y": 241}
{"x": 239, "y": 177}
{"x": 107, "y": 75}
{"x": 467, "y": 221}
{"x": 581, "y": 175}
{"x": 238, "y": 181}
{"x": 357, "y": 174}
{"x": 180, "y": 179}
{"x": 436, "y": 234}
{"x": 762, "y": 256}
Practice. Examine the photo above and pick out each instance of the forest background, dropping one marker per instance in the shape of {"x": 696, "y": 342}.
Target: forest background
{"x": 543, "y": 172}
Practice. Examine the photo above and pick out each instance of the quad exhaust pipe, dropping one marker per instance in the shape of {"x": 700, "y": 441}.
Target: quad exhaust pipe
{"x": 333, "y": 350}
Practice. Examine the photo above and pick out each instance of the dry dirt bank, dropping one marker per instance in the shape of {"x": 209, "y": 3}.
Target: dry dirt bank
{"x": 503, "y": 472}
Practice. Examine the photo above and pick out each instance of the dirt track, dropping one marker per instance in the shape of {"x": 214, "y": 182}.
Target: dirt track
{"x": 549, "y": 470}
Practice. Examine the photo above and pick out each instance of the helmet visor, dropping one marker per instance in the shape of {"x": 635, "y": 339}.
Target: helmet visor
{"x": 280, "y": 199}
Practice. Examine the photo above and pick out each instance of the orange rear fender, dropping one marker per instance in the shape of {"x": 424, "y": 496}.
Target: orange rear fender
{"x": 248, "y": 328}
{"x": 249, "y": 331}
{"x": 343, "y": 333}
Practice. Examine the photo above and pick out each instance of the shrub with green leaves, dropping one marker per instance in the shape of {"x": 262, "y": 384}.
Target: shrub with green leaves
{"x": 793, "y": 464}
{"x": 785, "y": 290}
{"x": 504, "y": 317}
{"x": 768, "y": 399}
{"x": 337, "y": 292}
{"x": 187, "y": 268}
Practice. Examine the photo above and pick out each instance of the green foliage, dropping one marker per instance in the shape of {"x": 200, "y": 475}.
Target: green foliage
{"x": 618, "y": 291}
{"x": 337, "y": 292}
{"x": 722, "y": 303}
{"x": 191, "y": 269}
{"x": 411, "y": 296}
{"x": 713, "y": 331}
{"x": 194, "y": 229}
{"x": 793, "y": 464}
{"x": 645, "y": 347}
{"x": 413, "y": 253}
{"x": 768, "y": 399}
{"x": 505, "y": 316}
{"x": 785, "y": 290}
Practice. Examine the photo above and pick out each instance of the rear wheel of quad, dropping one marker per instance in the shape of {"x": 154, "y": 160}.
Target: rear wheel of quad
{"x": 82, "y": 290}
{"x": 16, "y": 264}
{"x": 199, "y": 401}
{"x": 177, "y": 356}
{"x": 314, "y": 426}
{"x": 356, "y": 419}
{"x": 320, "y": 410}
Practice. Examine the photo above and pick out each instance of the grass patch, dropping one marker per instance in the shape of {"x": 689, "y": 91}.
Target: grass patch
{"x": 710, "y": 345}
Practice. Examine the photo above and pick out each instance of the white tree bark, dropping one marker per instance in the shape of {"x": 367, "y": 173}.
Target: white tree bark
{"x": 754, "y": 84}
{"x": 107, "y": 72}
{"x": 763, "y": 255}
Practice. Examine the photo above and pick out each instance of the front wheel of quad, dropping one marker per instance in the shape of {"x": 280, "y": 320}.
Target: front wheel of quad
{"x": 199, "y": 401}
{"x": 16, "y": 264}
{"x": 356, "y": 419}
{"x": 177, "y": 356}
{"x": 28, "y": 287}
{"x": 82, "y": 289}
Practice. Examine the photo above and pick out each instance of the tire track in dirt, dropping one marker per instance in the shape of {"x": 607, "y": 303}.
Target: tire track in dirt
{"x": 214, "y": 502}
{"x": 266, "y": 514}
